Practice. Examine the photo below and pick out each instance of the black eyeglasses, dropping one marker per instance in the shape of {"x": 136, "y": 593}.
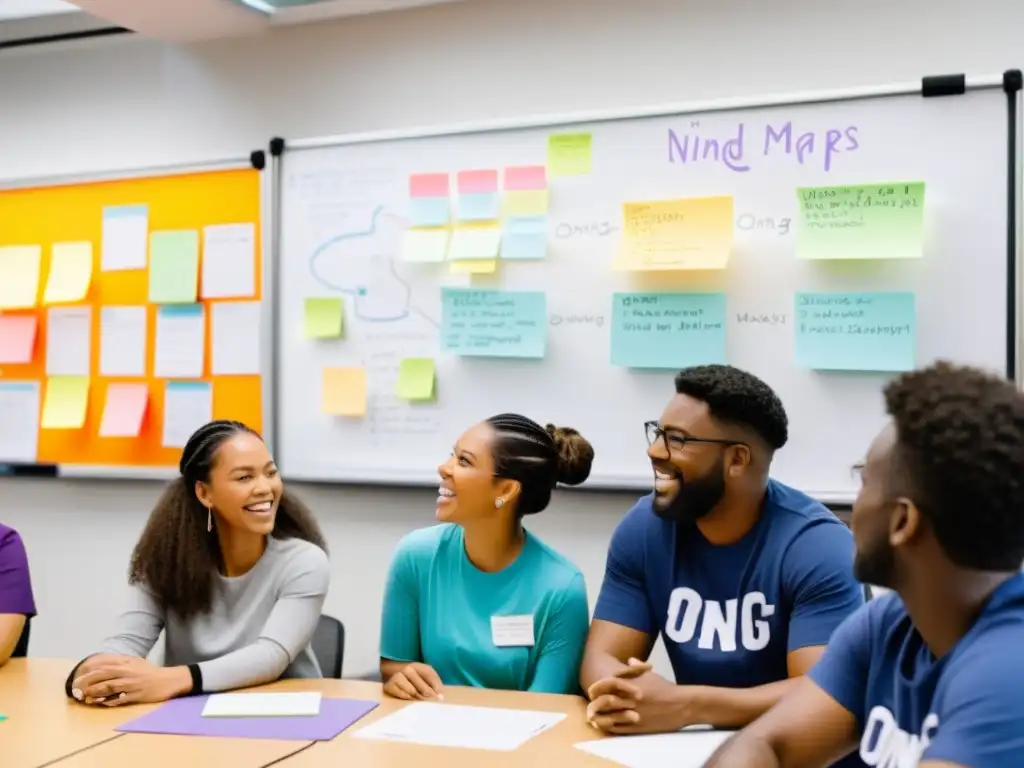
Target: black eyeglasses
{"x": 677, "y": 440}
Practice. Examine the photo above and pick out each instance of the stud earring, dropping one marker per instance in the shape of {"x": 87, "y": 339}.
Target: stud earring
{"x": 498, "y": 503}
{"x": 209, "y": 519}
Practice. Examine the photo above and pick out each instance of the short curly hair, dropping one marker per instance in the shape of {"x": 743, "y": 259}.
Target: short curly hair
{"x": 739, "y": 398}
{"x": 960, "y": 449}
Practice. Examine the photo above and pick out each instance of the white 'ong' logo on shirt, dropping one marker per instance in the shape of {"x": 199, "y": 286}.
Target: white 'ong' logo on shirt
{"x": 686, "y": 608}
{"x": 886, "y": 745}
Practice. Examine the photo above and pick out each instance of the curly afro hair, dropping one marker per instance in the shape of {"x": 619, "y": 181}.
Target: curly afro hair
{"x": 739, "y": 398}
{"x": 960, "y": 449}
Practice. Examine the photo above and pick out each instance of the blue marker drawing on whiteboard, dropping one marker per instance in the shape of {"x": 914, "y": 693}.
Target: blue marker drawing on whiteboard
{"x": 361, "y": 265}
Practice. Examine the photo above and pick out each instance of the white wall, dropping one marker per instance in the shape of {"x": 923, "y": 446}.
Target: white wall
{"x": 128, "y": 103}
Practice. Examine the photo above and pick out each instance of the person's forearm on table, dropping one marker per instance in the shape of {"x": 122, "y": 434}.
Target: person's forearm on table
{"x": 746, "y": 750}
{"x": 597, "y": 665}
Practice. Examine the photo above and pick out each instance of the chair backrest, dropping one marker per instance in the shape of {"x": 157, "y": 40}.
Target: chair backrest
{"x": 329, "y": 646}
{"x": 867, "y": 593}
{"x": 21, "y": 649}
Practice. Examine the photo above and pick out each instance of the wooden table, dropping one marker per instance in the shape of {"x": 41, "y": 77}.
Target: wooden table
{"x": 45, "y": 729}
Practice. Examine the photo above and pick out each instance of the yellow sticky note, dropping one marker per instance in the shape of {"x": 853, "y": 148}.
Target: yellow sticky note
{"x": 686, "y": 233}
{"x": 70, "y": 273}
{"x": 344, "y": 391}
{"x": 415, "y": 379}
{"x": 526, "y": 202}
{"x": 19, "y": 276}
{"x": 569, "y": 154}
{"x": 475, "y": 266}
{"x": 425, "y": 244}
{"x": 325, "y": 318}
{"x": 66, "y": 402}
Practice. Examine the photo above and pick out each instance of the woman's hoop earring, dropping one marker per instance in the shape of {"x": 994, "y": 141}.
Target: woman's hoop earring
{"x": 499, "y": 503}
{"x": 209, "y": 519}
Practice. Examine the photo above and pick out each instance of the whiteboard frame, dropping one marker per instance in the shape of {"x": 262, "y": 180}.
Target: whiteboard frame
{"x": 1014, "y": 367}
{"x": 268, "y": 310}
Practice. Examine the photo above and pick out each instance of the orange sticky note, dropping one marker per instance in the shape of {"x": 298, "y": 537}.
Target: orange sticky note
{"x": 17, "y": 338}
{"x": 124, "y": 409}
{"x": 66, "y": 402}
{"x": 685, "y": 233}
{"x": 344, "y": 391}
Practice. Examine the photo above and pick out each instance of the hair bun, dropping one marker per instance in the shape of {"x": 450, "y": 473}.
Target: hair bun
{"x": 575, "y": 455}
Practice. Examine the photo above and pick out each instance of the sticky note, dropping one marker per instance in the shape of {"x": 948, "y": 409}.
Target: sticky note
{"x": 174, "y": 266}
{"x": 124, "y": 410}
{"x": 19, "y": 276}
{"x": 476, "y": 182}
{"x": 856, "y": 331}
{"x": 415, "y": 379}
{"x": 533, "y": 202}
{"x": 475, "y": 266}
{"x": 325, "y": 318}
{"x": 425, "y": 245}
{"x": 17, "y": 338}
{"x": 870, "y": 221}
{"x": 2, "y": 718}
{"x": 526, "y": 177}
{"x": 685, "y": 233}
{"x": 667, "y": 330}
{"x": 479, "y": 206}
{"x": 475, "y": 243}
{"x": 525, "y": 237}
{"x": 125, "y": 233}
{"x": 428, "y": 185}
{"x": 188, "y": 405}
{"x": 569, "y": 154}
{"x": 477, "y": 323}
{"x": 344, "y": 391}
{"x": 70, "y": 273}
{"x": 429, "y": 211}
{"x": 65, "y": 402}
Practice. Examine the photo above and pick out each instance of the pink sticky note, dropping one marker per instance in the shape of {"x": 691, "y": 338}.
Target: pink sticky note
{"x": 523, "y": 178}
{"x": 428, "y": 185}
{"x": 17, "y": 338}
{"x": 477, "y": 182}
{"x": 124, "y": 410}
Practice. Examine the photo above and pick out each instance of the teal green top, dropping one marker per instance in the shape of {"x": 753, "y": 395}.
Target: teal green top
{"x": 438, "y": 609}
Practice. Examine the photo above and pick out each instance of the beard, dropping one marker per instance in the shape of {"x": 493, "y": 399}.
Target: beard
{"x": 876, "y": 565}
{"x": 695, "y": 498}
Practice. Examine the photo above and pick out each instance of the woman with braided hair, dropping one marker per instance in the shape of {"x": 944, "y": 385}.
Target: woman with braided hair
{"x": 230, "y": 566}
{"x": 478, "y": 600}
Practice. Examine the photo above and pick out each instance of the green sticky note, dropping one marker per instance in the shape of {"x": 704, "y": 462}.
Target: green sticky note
{"x": 325, "y": 318}
{"x": 855, "y": 331}
{"x": 569, "y": 154}
{"x": 415, "y": 379}
{"x": 174, "y": 266}
{"x": 667, "y": 331}
{"x": 870, "y": 221}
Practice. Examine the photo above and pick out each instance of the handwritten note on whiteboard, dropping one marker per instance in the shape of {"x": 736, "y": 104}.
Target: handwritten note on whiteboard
{"x": 871, "y": 221}
{"x": 686, "y": 233}
{"x": 855, "y": 331}
{"x": 667, "y": 330}
{"x": 493, "y": 323}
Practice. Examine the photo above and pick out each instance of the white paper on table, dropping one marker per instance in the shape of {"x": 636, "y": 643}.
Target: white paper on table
{"x": 235, "y": 345}
{"x": 69, "y": 341}
{"x": 19, "y": 421}
{"x": 125, "y": 237}
{"x": 305, "y": 704}
{"x": 229, "y": 261}
{"x": 180, "y": 341}
{"x": 689, "y": 748}
{"x": 123, "y": 341}
{"x": 188, "y": 405}
{"x": 452, "y": 725}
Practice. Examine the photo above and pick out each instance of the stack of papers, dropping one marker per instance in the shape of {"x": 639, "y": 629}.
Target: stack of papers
{"x": 689, "y": 748}
{"x": 263, "y": 705}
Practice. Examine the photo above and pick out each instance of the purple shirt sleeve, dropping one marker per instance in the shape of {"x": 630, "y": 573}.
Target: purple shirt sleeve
{"x": 15, "y": 584}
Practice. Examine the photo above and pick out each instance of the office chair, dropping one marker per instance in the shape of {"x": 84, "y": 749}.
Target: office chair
{"x": 329, "y": 646}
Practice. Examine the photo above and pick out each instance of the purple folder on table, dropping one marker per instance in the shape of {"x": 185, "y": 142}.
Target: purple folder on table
{"x": 184, "y": 717}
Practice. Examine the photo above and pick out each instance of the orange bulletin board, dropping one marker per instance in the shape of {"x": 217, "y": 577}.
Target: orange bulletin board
{"x": 74, "y": 212}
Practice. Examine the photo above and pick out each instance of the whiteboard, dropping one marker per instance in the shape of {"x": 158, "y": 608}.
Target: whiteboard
{"x": 343, "y": 205}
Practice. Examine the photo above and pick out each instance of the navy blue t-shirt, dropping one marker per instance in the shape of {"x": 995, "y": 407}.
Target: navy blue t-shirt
{"x": 729, "y": 615}
{"x": 966, "y": 708}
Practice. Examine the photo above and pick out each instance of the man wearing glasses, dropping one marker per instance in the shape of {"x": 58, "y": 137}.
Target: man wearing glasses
{"x": 744, "y": 578}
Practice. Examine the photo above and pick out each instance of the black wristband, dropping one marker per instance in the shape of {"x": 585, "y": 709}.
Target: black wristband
{"x": 197, "y": 679}
{"x": 71, "y": 678}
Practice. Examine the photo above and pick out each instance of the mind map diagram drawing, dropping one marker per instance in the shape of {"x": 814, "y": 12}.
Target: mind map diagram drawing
{"x": 360, "y": 264}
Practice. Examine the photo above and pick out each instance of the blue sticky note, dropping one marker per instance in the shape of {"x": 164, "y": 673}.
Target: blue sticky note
{"x": 429, "y": 211}
{"x": 493, "y": 323}
{"x": 479, "y": 206}
{"x": 525, "y": 237}
{"x": 667, "y": 330}
{"x": 871, "y": 331}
